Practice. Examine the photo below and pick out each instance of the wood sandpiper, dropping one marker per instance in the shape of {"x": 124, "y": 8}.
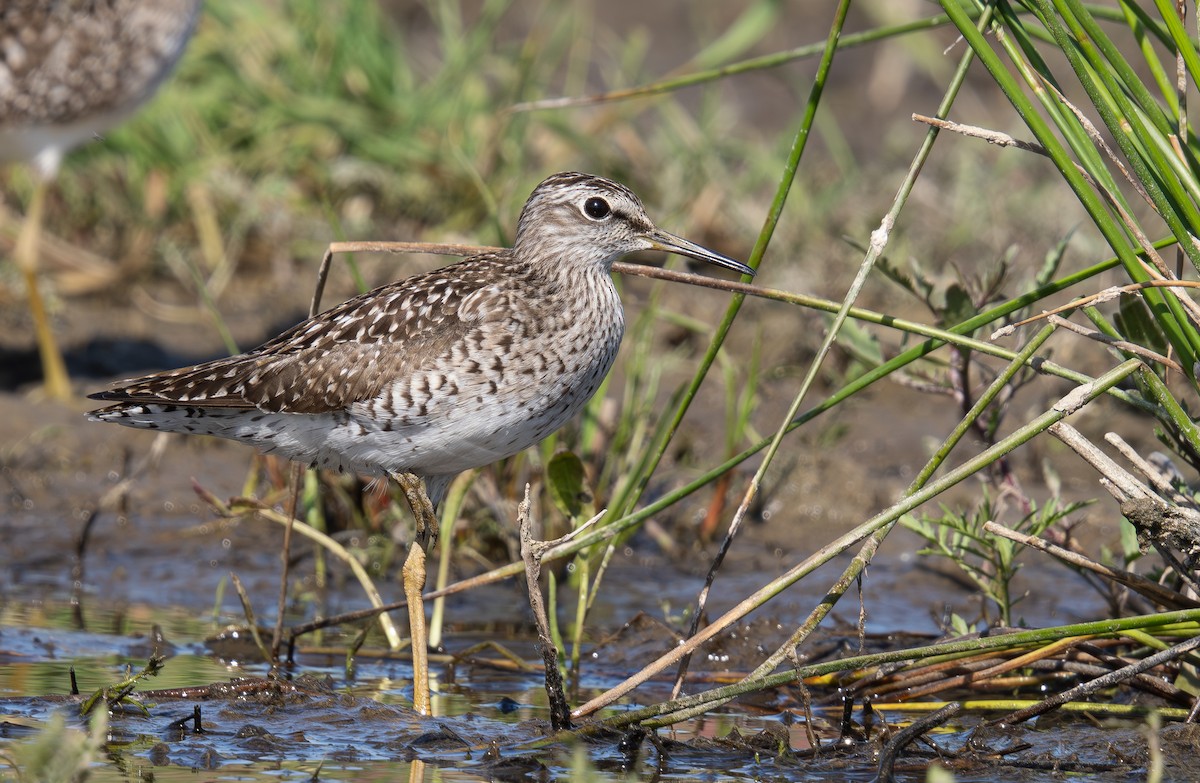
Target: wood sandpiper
{"x": 436, "y": 374}
{"x": 70, "y": 70}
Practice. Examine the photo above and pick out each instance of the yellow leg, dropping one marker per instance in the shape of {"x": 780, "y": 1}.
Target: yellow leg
{"x": 414, "y": 585}
{"x": 54, "y": 369}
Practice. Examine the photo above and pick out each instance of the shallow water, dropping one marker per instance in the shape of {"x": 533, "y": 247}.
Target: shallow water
{"x": 321, "y": 720}
{"x": 164, "y": 560}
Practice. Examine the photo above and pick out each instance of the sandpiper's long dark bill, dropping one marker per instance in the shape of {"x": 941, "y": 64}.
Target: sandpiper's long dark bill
{"x": 669, "y": 243}
{"x": 439, "y": 373}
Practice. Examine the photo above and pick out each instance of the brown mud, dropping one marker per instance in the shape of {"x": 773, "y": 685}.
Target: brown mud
{"x": 161, "y": 553}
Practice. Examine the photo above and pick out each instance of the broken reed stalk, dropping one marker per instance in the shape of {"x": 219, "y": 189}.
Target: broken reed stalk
{"x": 531, "y": 553}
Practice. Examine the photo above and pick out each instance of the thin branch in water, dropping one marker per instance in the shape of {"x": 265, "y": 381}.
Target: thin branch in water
{"x": 248, "y": 610}
{"x": 531, "y": 553}
{"x": 904, "y": 737}
{"x": 1100, "y": 683}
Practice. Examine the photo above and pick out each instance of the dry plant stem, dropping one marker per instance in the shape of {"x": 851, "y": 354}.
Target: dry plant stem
{"x": 1138, "y": 503}
{"x": 385, "y": 247}
{"x": 1106, "y": 681}
{"x": 1120, "y": 483}
{"x": 964, "y": 680}
{"x": 1147, "y": 588}
{"x": 248, "y": 610}
{"x": 1120, "y": 345}
{"x": 1069, "y": 404}
{"x": 1107, "y": 662}
{"x": 531, "y": 553}
{"x": 904, "y": 737}
{"x": 878, "y": 685}
{"x": 1156, "y": 477}
{"x": 512, "y": 661}
{"x": 1099, "y": 297}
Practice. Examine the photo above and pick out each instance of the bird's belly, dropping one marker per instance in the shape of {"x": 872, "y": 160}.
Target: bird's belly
{"x": 32, "y": 142}
{"x": 469, "y": 419}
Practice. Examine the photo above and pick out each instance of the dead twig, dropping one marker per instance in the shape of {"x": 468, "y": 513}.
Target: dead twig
{"x": 904, "y": 737}
{"x": 1106, "y": 681}
{"x": 1120, "y": 345}
{"x": 532, "y": 552}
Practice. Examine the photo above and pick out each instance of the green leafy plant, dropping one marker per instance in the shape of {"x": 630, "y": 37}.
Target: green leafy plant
{"x": 988, "y": 561}
{"x": 121, "y": 693}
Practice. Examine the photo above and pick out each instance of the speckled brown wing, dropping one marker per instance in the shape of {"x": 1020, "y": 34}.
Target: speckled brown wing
{"x": 347, "y": 354}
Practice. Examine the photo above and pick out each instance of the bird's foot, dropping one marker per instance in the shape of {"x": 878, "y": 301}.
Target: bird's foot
{"x": 422, "y": 508}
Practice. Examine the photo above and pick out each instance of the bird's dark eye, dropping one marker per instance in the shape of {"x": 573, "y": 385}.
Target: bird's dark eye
{"x": 597, "y": 208}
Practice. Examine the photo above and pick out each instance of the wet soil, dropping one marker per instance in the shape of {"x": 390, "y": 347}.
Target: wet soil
{"x": 158, "y": 560}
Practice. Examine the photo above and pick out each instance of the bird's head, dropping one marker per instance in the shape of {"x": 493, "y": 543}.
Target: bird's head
{"x": 582, "y": 218}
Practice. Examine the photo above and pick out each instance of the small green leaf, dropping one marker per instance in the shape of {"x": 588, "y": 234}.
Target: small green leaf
{"x": 568, "y": 484}
{"x": 1053, "y": 259}
{"x": 884, "y": 266}
{"x": 959, "y": 306}
{"x": 862, "y": 344}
